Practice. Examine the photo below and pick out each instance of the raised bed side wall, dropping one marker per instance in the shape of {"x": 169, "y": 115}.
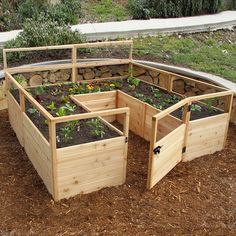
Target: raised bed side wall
{"x": 206, "y": 136}
{"x": 89, "y": 167}
{"x": 141, "y": 115}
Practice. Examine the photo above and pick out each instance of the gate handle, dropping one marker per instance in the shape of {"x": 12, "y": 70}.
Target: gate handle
{"x": 157, "y": 150}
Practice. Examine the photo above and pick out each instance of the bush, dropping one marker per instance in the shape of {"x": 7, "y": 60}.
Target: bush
{"x": 143, "y": 9}
{"x": 139, "y": 9}
{"x": 14, "y": 15}
{"x": 65, "y": 12}
{"x": 43, "y": 32}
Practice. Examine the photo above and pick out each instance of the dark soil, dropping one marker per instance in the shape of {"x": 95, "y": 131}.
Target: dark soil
{"x": 82, "y": 133}
{"x": 195, "y": 198}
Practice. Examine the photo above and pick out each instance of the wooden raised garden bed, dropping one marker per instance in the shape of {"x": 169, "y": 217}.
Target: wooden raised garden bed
{"x": 71, "y": 130}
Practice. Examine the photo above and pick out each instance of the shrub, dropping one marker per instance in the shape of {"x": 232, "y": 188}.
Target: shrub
{"x": 143, "y": 9}
{"x": 139, "y": 9}
{"x": 43, "y": 32}
{"x": 14, "y": 15}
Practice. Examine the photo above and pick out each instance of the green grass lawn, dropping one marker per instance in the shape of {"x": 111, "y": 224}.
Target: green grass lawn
{"x": 104, "y": 10}
{"x": 209, "y": 52}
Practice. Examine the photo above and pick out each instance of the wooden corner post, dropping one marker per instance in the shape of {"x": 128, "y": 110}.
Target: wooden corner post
{"x": 74, "y": 61}
{"x": 53, "y": 144}
{"x": 153, "y": 140}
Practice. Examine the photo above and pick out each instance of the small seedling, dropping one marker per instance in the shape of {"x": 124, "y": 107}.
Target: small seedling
{"x": 56, "y": 92}
{"x": 64, "y": 99}
{"x": 133, "y": 81}
{"x": 156, "y": 92}
{"x": 32, "y": 110}
{"x": 209, "y": 103}
{"x": 97, "y": 127}
{"x": 73, "y": 124}
{"x": 39, "y": 90}
{"x": 139, "y": 95}
{"x": 61, "y": 112}
{"x": 118, "y": 84}
{"x": 148, "y": 100}
{"x": 195, "y": 107}
{"x": 21, "y": 80}
{"x": 69, "y": 107}
{"x": 51, "y": 106}
{"x": 66, "y": 134}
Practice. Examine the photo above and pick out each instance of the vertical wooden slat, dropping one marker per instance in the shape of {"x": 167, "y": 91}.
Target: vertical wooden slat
{"x": 74, "y": 67}
{"x": 228, "y": 108}
{"x": 4, "y": 54}
{"x": 126, "y": 134}
{"x": 22, "y": 101}
{"x": 170, "y": 83}
{"x": 186, "y": 119}
{"x": 153, "y": 140}
{"x": 131, "y": 58}
{"x": 53, "y": 146}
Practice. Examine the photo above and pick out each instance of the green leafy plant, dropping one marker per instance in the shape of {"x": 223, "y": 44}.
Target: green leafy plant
{"x": 42, "y": 31}
{"x": 156, "y": 92}
{"x": 32, "y": 110}
{"x": 133, "y": 81}
{"x": 73, "y": 124}
{"x": 64, "y": 99}
{"x": 68, "y": 129}
{"x": 210, "y": 104}
{"x": 148, "y": 100}
{"x": 39, "y": 90}
{"x": 56, "y": 92}
{"x": 69, "y": 107}
{"x": 139, "y": 95}
{"x": 51, "y": 106}
{"x": 195, "y": 107}
{"x": 66, "y": 134}
{"x": 21, "y": 80}
{"x": 97, "y": 128}
{"x": 61, "y": 112}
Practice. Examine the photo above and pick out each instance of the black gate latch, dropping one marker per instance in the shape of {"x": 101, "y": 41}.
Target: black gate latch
{"x": 157, "y": 150}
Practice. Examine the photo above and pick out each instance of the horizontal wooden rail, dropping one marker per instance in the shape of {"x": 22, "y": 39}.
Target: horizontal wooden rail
{"x": 26, "y": 69}
{"x": 211, "y": 95}
{"x": 69, "y": 46}
{"x": 104, "y": 63}
{"x": 104, "y": 44}
{"x": 91, "y": 115}
{"x": 178, "y": 76}
{"x": 40, "y": 108}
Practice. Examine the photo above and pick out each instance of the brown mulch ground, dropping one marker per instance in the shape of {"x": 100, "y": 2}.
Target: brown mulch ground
{"x": 196, "y": 198}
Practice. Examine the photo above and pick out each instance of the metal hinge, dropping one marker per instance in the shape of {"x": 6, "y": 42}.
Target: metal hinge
{"x": 184, "y": 150}
{"x": 189, "y": 107}
{"x": 157, "y": 150}
{"x": 126, "y": 139}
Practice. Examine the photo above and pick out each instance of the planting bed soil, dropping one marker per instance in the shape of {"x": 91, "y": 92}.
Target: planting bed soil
{"x": 157, "y": 97}
{"x": 81, "y": 132}
{"x": 204, "y": 204}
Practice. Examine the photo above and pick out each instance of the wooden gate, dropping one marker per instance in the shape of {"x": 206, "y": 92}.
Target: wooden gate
{"x": 167, "y": 152}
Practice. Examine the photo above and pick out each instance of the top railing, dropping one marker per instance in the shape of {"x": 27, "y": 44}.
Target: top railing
{"x": 73, "y": 47}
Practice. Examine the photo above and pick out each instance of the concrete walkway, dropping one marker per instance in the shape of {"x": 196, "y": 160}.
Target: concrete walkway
{"x": 134, "y": 28}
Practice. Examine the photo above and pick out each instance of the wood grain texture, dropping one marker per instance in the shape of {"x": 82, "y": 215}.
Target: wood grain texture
{"x": 38, "y": 151}
{"x": 206, "y": 136}
{"x": 89, "y": 167}
{"x": 15, "y": 117}
{"x": 170, "y": 155}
